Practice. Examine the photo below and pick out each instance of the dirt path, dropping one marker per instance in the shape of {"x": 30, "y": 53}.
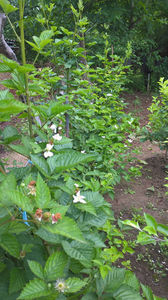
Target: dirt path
{"x": 146, "y": 194}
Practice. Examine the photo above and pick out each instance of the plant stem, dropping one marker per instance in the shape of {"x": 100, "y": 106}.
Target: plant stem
{"x": 21, "y": 11}
{"x": 18, "y": 38}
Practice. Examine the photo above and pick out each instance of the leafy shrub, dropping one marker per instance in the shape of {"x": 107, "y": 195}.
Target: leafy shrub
{"x": 157, "y": 128}
{"x": 53, "y": 234}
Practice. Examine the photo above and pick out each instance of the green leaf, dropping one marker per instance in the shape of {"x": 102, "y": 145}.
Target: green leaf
{"x": 17, "y": 227}
{"x": 150, "y": 221}
{"x": 131, "y": 280}
{"x": 5, "y": 94}
{"x": 10, "y": 134}
{"x": 114, "y": 279}
{"x": 132, "y": 224}
{"x": 96, "y": 221}
{"x": 41, "y": 164}
{"x": 17, "y": 280}
{"x": 75, "y": 284}
{"x": 43, "y": 196}
{"x": 10, "y": 243}
{"x": 34, "y": 289}
{"x": 95, "y": 198}
{"x": 87, "y": 207}
{"x": 48, "y": 236}
{"x": 8, "y": 185}
{"x": 162, "y": 229}
{"x": 51, "y": 110}
{"x": 66, "y": 227}
{"x": 22, "y": 201}
{"x": 46, "y": 34}
{"x": 36, "y": 268}
{"x": 144, "y": 239}
{"x": 150, "y": 230}
{"x": 7, "y": 7}
{"x": 95, "y": 238}
{"x": 2, "y": 266}
{"x": 82, "y": 252}
{"x": 12, "y": 106}
{"x": 147, "y": 292}
{"x": 20, "y": 149}
{"x": 67, "y": 160}
{"x": 55, "y": 265}
{"x": 125, "y": 292}
{"x": 26, "y": 68}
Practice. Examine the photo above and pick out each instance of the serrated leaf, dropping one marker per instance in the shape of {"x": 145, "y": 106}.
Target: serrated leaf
{"x": 43, "y": 196}
{"x": 12, "y": 106}
{"x": 16, "y": 227}
{"x": 7, "y": 7}
{"x": 87, "y": 207}
{"x": 131, "y": 280}
{"x": 34, "y": 289}
{"x": 95, "y": 239}
{"x": 98, "y": 220}
{"x": 83, "y": 253}
{"x": 26, "y": 68}
{"x": 126, "y": 293}
{"x": 147, "y": 292}
{"x": 67, "y": 160}
{"x": 55, "y": 265}
{"x": 95, "y": 198}
{"x": 17, "y": 280}
{"x": 75, "y": 284}
{"x": 22, "y": 201}
{"x": 10, "y": 243}
{"x": 75, "y": 266}
{"x": 36, "y": 268}
{"x": 66, "y": 227}
{"x": 46, "y": 34}
{"x": 48, "y": 236}
{"x": 41, "y": 164}
{"x": 8, "y": 185}
{"x": 20, "y": 149}
{"x": 10, "y": 134}
{"x": 114, "y": 279}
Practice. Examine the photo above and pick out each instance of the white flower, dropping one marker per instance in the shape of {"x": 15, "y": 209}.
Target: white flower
{"x": 53, "y": 127}
{"x": 109, "y": 95}
{"x": 130, "y": 141}
{"x": 59, "y": 128}
{"x": 83, "y": 151}
{"x": 103, "y": 137}
{"x": 60, "y": 285}
{"x": 49, "y": 147}
{"x": 78, "y": 198}
{"x": 48, "y": 154}
{"x": 76, "y": 185}
{"x": 57, "y": 137}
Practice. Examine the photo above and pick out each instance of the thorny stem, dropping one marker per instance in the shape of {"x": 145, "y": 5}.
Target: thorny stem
{"x": 21, "y": 11}
{"x": 17, "y": 36}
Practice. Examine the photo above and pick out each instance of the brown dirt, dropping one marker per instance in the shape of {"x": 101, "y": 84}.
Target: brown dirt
{"x": 146, "y": 194}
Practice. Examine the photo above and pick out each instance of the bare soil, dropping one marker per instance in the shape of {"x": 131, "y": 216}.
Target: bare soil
{"x": 146, "y": 194}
